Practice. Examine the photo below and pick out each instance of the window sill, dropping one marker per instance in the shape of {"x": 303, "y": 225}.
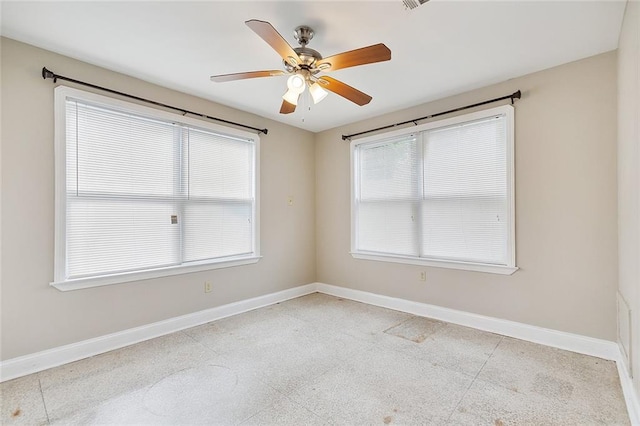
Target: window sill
{"x": 449, "y": 264}
{"x": 80, "y": 283}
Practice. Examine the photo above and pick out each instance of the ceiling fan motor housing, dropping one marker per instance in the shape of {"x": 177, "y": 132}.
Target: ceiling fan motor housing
{"x": 308, "y": 57}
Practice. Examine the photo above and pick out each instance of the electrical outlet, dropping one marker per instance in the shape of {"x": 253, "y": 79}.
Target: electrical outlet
{"x": 207, "y": 286}
{"x": 423, "y": 276}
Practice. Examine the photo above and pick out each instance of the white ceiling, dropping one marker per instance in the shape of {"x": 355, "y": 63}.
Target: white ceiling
{"x": 441, "y": 48}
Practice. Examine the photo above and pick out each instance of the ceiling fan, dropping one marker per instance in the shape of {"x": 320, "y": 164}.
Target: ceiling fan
{"x": 303, "y": 64}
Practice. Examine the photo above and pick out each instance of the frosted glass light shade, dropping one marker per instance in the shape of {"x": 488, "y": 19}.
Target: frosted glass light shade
{"x": 291, "y": 97}
{"x": 296, "y": 83}
{"x": 317, "y": 93}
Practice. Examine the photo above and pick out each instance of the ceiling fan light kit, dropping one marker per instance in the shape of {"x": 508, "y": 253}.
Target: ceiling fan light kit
{"x": 303, "y": 64}
{"x": 296, "y": 85}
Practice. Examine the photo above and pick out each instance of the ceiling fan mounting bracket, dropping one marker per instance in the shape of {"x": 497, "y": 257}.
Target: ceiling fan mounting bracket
{"x": 303, "y": 34}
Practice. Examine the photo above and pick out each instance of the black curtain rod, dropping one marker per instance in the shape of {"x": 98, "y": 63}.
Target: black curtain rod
{"x": 50, "y": 74}
{"x": 514, "y": 95}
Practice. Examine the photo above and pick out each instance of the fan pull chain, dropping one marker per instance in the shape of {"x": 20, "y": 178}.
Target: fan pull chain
{"x": 306, "y": 104}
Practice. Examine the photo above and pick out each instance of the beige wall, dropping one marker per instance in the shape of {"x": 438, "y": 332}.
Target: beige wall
{"x": 565, "y": 200}
{"x": 566, "y": 232}
{"x": 628, "y": 173}
{"x": 36, "y": 316}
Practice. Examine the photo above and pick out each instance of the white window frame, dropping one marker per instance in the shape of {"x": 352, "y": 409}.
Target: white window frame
{"x": 61, "y": 94}
{"x": 510, "y": 267}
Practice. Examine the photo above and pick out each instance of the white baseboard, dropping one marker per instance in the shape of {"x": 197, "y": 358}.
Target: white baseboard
{"x": 558, "y": 339}
{"x": 39, "y": 361}
{"x": 545, "y": 336}
{"x": 630, "y": 395}
{"x": 32, "y": 363}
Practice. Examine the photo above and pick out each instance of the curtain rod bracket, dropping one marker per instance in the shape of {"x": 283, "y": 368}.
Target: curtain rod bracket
{"x": 50, "y": 74}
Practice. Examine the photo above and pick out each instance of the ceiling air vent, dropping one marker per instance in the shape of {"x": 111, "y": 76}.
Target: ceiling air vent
{"x": 412, "y": 4}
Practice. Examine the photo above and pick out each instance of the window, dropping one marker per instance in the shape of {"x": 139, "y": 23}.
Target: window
{"x": 143, "y": 193}
{"x": 440, "y": 194}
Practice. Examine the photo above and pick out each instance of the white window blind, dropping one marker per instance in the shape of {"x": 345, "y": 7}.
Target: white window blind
{"x": 464, "y": 212}
{"x": 388, "y": 194}
{"x": 218, "y": 212}
{"x": 142, "y": 193}
{"x": 443, "y": 193}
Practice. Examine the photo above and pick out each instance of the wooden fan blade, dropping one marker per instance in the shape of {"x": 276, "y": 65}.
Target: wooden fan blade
{"x": 287, "y": 108}
{"x": 344, "y": 90}
{"x": 273, "y": 38}
{"x": 366, "y": 55}
{"x": 242, "y": 75}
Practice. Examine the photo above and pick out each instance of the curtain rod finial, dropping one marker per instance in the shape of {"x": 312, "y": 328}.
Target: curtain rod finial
{"x": 47, "y": 74}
